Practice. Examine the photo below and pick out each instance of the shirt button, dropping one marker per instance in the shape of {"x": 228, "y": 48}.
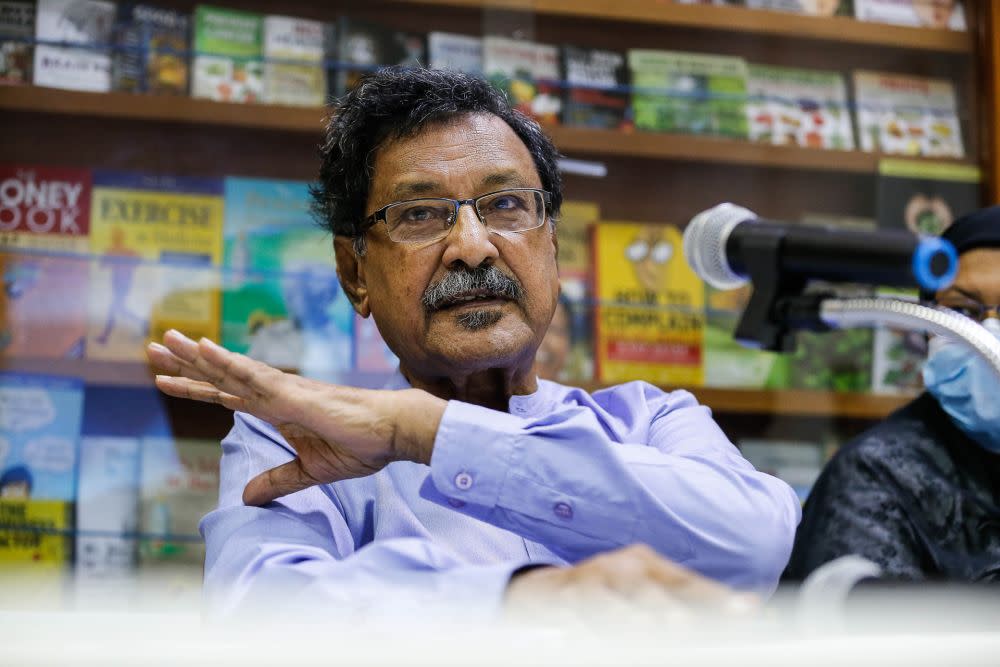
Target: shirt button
{"x": 455, "y": 502}
{"x": 563, "y": 511}
{"x": 463, "y": 480}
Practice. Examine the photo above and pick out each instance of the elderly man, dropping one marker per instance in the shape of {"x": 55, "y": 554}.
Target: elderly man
{"x": 467, "y": 469}
{"x": 919, "y": 494}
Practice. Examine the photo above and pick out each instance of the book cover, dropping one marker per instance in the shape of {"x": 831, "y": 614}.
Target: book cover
{"x": 596, "y": 93}
{"x": 88, "y": 26}
{"x": 688, "y": 92}
{"x": 650, "y": 317}
{"x": 44, "y": 238}
{"x": 282, "y": 302}
{"x": 797, "y": 463}
{"x": 528, "y": 73}
{"x": 151, "y": 50}
{"x": 567, "y": 351}
{"x": 364, "y": 46}
{"x": 17, "y": 26}
{"x": 925, "y": 197}
{"x": 158, "y": 242}
{"x": 40, "y": 417}
{"x": 463, "y": 53}
{"x": 798, "y": 107}
{"x": 227, "y": 65}
{"x": 897, "y": 355}
{"x": 907, "y": 115}
{"x": 107, "y": 507}
{"x": 727, "y": 362}
{"x": 809, "y": 7}
{"x": 293, "y": 62}
{"x": 180, "y": 484}
{"x": 939, "y": 14}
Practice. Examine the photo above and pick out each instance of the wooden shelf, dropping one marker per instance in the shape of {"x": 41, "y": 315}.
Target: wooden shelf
{"x": 838, "y": 29}
{"x": 570, "y": 140}
{"x": 114, "y": 373}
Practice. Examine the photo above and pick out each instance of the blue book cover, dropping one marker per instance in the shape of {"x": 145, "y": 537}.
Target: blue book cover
{"x": 282, "y": 302}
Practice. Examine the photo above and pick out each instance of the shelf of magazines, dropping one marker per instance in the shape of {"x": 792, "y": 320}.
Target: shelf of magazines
{"x": 597, "y": 142}
{"x": 89, "y": 316}
{"x": 797, "y": 19}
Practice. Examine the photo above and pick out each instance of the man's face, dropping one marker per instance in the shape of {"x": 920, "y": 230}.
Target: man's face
{"x": 470, "y": 156}
{"x": 977, "y": 282}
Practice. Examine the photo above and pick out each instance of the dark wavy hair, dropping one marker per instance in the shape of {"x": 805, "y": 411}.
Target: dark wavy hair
{"x": 394, "y": 103}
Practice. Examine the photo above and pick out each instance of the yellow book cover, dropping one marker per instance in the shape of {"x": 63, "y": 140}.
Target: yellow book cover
{"x": 650, "y": 317}
{"x": 36, "y": 532}
{"x": 159, "y": 242}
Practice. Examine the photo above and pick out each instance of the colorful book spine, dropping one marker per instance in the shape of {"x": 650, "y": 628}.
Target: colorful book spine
{"x": 17, "y": 26}
{"x": 227, "y": 63}
{"x": 151, "y": 53}
{"x": 86, "y": 27}
{"x": 44, "y": 236}
{"x": 293, "y": 67}
{"x": 159, "y": 241}
{"x": 650, "y": 316}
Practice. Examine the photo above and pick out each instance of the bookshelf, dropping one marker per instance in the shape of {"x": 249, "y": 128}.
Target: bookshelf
{"x": 595, "y": 142}
{"x": 835, "y": 30}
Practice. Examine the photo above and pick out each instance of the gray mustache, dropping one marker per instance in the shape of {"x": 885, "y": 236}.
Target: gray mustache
{"x": 488, "y": 279}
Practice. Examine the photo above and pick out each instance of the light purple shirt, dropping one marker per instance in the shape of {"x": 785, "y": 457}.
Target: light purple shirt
{"x": 563, "y": 476}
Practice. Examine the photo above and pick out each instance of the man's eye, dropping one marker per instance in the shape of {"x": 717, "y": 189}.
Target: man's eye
{"x": 420, "y": 214}
{"x": 507, "y": 203}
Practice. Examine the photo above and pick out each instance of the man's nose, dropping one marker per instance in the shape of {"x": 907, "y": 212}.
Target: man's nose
{"x": 469, "y": 241}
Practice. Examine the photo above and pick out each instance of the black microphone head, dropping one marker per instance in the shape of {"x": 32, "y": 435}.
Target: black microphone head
{"x": 705, "y": 240}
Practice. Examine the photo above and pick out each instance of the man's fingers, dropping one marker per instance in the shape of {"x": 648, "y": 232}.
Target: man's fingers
{"x": 254, "y": 375}
{"x": 162, "y": 359}
{"x": 277, "y": 482}
{"x": 200, "y": 391}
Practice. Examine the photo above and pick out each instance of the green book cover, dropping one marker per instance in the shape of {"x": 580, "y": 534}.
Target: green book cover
{"x": 727, "y": 362}
{"x": 689, "y": 92}
{"x": 228, "y": 64}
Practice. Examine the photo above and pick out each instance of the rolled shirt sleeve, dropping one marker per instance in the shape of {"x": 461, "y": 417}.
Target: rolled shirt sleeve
{"x": 638, "y": 465}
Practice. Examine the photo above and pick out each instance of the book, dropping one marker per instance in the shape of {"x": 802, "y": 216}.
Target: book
{"x": 925, "y": 197}
{"x": 567, "y": 351}
{"x": 688, "y": 92}
{"x": 796, "y": 463}
{"x": 809, "y": 7}
{"x": 798, "y": 107}
{"x": 528, "y": 73}
{"x": 85, "y": 62}
{"x": 227, "y": 65}
{"x": 938, "y": 14}
{"x": 650, "y": 312}
{"x": 727, "y": 362}
{"x": 293, "y": 66}
{"x": 897, "y": 355}
{"x": 365, "y": 46}
{"x": 44, "y": 238}
{"x": 179, "y": 483}
{"x": 463, "y": 53}
{"x": 17, "y": 26}
{"x": 596, "y": 93}
{"x": 282, "y": 302}
{"x": 907, "y": 115}
{"x": 151, "y": 50}
{"x": 158, "y": 242}
{"x": 40, "y": 417}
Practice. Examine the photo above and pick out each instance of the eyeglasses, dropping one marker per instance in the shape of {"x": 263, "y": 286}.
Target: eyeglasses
{"x": 974, "y": 310}
{"x": 429, "y": 220}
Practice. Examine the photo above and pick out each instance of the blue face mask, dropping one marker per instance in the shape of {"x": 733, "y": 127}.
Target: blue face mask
{"x": 966, "y": 387}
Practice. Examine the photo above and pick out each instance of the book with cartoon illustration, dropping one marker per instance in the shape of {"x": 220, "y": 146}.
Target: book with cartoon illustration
{"x": 798, "y": 107}
{"x": 43, "y": 247}
{"x": 650, "y": 312}
{"x": 227, "y": 65}
{"x": 157, "y": 242}
{"x": 692, "y": 93}
{"x": 907, "y": 115}
{"x": 528, "y": 72}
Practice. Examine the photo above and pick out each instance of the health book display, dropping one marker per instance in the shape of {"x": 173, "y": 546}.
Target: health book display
{"x": 85, "y": 26}
{"x": 157, "y": 242}
{"x": 227, "y": 64}
{"x": 528, "y": 73}
{"x": 44, "y": 239}
{"x": 293, "y": 67}
{"x": 650, "y": 314}
{"x": 282, "y": 302}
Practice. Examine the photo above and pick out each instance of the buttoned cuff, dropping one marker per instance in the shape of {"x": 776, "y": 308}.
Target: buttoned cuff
{"x": 473, "y": 454}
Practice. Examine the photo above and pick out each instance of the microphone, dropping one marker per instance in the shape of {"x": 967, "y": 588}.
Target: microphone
{"x": 727, "y": 245}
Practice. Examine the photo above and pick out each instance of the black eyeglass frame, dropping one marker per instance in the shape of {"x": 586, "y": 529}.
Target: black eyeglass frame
{"x": 380, "y": 215}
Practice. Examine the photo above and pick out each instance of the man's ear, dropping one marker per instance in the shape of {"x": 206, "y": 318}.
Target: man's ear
{"x": 351, "y": 272}
{"x": 555, "y": 237}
